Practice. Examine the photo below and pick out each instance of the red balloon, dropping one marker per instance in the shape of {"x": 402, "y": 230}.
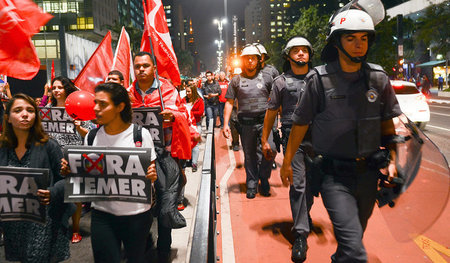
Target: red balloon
{"x": 80, "y": 105}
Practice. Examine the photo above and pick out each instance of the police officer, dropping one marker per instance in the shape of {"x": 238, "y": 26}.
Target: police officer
{"x": 266, "y": 68}
{"x": 251, "y": 89}
{"x": 349, "y": 104}
{"x": 286, "y": 90}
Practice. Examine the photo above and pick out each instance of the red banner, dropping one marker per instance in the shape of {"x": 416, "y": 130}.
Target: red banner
{"x": 19, "y": 21}
{"x": 122, "y": 59}
{"x": 98, "y": 66}
{"x": 156, "y": 27}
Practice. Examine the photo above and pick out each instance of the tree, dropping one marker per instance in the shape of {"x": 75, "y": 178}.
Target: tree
{"x": 434, "y": 28}
{"x": 313, "y": 26}
{"x": 134, "y": 33}
{"x": 185, "y": 62}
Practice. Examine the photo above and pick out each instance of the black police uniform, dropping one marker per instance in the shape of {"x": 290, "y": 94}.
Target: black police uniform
{"x": 286, "y": 91}
{"x": 270, "y": 70}
{"x": 252, "y": 95}
{"x": 346, "y": 111}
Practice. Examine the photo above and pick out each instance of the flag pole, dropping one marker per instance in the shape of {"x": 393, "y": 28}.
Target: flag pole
{"x": 154, "y": 58}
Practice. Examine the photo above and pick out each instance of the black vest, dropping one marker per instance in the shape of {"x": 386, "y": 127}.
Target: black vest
{"x": 349, "y": 124}
{"x": 252, "y": 95}
{"x": 291, "y": 93}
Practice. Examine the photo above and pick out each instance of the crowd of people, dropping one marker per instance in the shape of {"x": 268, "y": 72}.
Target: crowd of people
{"x": 333, "y": 119}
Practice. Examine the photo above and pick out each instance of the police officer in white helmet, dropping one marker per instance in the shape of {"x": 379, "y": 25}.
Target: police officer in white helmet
{"x": 251, "y": 89}
{"x": 286, "y": 91}
{"x": 349, "y": 105}
{"x": 266, "y": 68}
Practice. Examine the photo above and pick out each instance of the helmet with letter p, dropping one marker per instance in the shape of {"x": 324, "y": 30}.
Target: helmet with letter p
{"x": 344, "y": 22}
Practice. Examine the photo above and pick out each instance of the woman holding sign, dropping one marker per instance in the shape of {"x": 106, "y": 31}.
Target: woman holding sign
{"x": 116, "y": 222}
{"x": 23, "y": 143}
{"x": 61, "y": 88}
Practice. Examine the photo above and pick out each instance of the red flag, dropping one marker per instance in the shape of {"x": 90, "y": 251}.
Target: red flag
{"x": 122, "y": 59}
{"x": 156, "y": 27}
{"x": 97, "y": 67}
{"x": 19, "y": 21}
{"x": 53, "y": 71}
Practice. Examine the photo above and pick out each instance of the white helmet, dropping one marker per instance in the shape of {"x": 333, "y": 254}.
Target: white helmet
{"x": 296, "y": 42}
{"x": 250, "y": 50}
{"x": 351, "y": 20}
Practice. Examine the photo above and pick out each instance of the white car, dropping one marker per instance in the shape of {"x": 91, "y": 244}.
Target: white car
{"x": 412, "y": 102}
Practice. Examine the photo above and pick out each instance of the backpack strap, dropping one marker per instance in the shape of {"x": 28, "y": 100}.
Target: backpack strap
{"x": 91, "y": 136}
{"x": 137, "y": 135}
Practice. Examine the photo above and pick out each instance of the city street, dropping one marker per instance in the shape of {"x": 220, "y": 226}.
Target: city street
{"x": 438, "y": 129}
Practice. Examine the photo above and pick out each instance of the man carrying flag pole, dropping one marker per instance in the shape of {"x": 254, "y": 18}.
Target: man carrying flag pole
{"x": 157, "y": 56}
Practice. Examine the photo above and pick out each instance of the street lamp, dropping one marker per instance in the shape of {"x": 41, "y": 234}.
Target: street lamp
{"x": 220, "y": 23}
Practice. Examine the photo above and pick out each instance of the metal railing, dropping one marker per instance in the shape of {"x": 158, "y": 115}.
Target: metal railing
{"x": 204, "y": 239}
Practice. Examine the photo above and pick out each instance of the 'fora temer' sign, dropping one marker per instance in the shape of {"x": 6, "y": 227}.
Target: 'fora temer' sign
{"x": 107, "y": 174}
{"x": 18, "y": 194}
{"x": 56, "y": 120}
{"x": 151, "y": 119}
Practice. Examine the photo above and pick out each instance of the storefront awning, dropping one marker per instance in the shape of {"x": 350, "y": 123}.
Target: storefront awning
{"x": 432, "y": 63}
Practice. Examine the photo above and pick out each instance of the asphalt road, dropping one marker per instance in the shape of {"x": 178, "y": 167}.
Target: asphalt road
{"x": 438, "y": 129}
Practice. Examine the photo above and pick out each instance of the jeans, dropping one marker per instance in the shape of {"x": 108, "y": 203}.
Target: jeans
{"x": 211, "y": 113}
{"x": 109, "y": 231}
{"x": 221, "y": 108}
{"x": 196, "y": 149}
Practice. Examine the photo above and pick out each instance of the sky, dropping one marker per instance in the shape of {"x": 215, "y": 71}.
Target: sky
{"x": 203, "y": 13}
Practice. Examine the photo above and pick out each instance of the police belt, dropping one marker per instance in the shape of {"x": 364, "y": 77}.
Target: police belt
{"x": 342, "y": 166}
{"x": 251, "y": 120}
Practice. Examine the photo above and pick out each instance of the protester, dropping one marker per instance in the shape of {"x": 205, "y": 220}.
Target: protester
{"x": 24, "y": 144}
{"x": 348, "y": 119}
{"x": 223, "y": 83}
{"x": 286, "y": 91}
{"x": 115, "y": 76}
{"x": 195, "y": 107}
{"x": 62, "y": 87}
{"x": 251, "y": 89}
{"x": 177, "y": 137}
{"x": 211, "y": 91}
{"x": 116, "y": 222}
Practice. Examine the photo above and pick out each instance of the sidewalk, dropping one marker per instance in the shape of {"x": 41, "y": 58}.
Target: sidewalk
{"x": 435, "y": 98}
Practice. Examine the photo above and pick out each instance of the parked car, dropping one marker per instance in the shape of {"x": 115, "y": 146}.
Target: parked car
{"x": 412, "y": 102}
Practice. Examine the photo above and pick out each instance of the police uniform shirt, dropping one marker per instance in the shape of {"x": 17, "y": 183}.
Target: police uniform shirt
{"x": 278, "y": 89}
{"x": 312, "y": 103}
{"x": 271, "y": 71}
{"x": 234, "y": 94}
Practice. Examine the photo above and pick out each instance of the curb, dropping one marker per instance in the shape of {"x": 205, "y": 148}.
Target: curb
{"x": 438, "y": 101}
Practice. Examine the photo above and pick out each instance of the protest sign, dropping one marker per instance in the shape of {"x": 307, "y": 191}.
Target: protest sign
{"x": 151, "y": 119}
{"x": 107, "y": 174}
{"x": 18, "y": 194}
{"x": 56, "y": 120}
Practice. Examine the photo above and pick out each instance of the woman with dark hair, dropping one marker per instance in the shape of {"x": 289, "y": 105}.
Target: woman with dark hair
{"x": 114, "y": 222}
{"x": 23, "y": 143}
{"x": 196, "y": 109}
{"x": 61, "y": 88}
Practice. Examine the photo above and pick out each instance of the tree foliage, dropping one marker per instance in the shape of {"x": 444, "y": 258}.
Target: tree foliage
{"x": 313, "y": 26}
{"x": 134, "y": 33}
{"x": 434, "y": 28}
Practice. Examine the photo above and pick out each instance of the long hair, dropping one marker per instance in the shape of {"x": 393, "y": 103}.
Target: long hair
{"x": 118, "y": 94}
{"x": 194, "y": 95}
{"x": 68, "y": 85}
{"x": 36, "y": 135}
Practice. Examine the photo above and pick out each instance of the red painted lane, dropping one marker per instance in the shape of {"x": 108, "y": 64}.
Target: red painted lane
{"x": 261, "y": 226}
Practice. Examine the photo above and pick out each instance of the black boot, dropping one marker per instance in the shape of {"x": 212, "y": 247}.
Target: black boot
{"x": 299, "y": 249}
